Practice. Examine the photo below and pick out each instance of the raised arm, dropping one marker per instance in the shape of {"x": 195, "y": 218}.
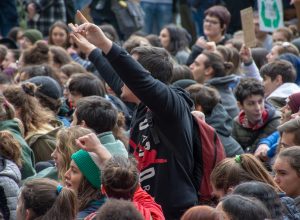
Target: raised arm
{"x": 150, "y": 91}
{"x": 103, "y": 67}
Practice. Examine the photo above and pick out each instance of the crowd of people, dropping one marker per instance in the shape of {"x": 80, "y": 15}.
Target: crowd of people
{"x": 95, "y": 124}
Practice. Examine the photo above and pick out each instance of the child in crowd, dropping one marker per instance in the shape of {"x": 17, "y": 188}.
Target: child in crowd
{"x": 256, "y": 119}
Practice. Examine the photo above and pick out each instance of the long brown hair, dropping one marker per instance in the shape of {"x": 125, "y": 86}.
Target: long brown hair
{"x": 87, "y": 193}
{"x": 232, "y": 171}
{"x": 10, "y": 148}
{"x": 31, "y": 113}
{"x": 47, "y": 201}
{"x": 66, "y": 145}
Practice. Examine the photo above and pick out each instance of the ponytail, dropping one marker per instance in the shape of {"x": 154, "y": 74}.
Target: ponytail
{"x": 47, "y": 200}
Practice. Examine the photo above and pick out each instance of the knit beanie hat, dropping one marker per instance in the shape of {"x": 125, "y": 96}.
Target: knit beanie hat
{"x": 47, "y": 86}
{"x": 33, "y": 35}
{"x": 86, "y": 164}
{"x": 294, "y": 102}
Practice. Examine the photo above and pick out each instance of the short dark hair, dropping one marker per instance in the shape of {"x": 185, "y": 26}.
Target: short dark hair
{"x": 86, "y": 84}
{"x": 291, "y": 126}
{"x": 279, "y": 67}
{"x": 157, "y": 61}
{"x": 118, "y": 209}
{"x": 97, "y": 112}
{"x": 216, "y": 62}
{"x": 204, "y": 96}
{"x": 120, "y": 177}
{"x": 248, "y": 87}
{"x": 221, "y": 13}
{"x": 240, "y": 207}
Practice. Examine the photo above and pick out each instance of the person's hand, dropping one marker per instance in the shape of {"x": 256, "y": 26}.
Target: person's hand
{"x": 91, "y": 143}
{"x": 91, "y": 32}
{"x": 199, "y": 115}
{"x": 82, "y": 43}
{"x": 211, "y": 46}
{"x": 71, "y": 50}
{"x": 91, "y": 216}
{"x": 201, "y": 42}
{"x": 261, "y": 151}
{"x": 245, "y": 54}
{"x": 31, "y": 11}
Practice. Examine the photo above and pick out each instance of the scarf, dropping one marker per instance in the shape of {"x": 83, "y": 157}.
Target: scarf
{"x": 243, "y": 120}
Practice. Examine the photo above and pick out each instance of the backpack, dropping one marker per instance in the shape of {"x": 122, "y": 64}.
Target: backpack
{"x": 208, "y": 150}
{"x": 129, "y": 15}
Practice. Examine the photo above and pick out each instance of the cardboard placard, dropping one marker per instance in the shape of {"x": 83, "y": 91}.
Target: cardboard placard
{"x": 248, "y": 27}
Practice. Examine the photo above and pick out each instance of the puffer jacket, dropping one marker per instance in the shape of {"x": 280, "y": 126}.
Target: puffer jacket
{"x": 10, "y": 177}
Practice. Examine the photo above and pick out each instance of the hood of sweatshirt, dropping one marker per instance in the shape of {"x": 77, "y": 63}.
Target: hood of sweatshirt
{"x": 220, "y": 120}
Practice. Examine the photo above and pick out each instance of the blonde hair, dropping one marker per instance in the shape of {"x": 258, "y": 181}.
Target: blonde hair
{"x": 66, "y": 145}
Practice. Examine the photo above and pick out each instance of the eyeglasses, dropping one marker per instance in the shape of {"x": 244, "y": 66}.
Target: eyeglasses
{"x": 213, "y": 22}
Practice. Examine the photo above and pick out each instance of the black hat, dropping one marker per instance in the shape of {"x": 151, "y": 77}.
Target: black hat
{"x": 47, "y": 86}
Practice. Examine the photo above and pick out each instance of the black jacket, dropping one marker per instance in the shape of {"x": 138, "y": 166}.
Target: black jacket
{"x": 164, "y": 176}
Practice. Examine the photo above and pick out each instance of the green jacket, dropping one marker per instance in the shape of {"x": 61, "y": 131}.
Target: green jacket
{"x": 27, "y": 154}
{"x": 115, "y": 147}
{"x": 50, "y": 172}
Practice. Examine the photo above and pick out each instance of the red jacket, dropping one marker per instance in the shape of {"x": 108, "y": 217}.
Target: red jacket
{"x": 147, "y": 206}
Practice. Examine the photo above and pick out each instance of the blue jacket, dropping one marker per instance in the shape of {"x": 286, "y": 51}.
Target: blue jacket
{"x": 272, "y": 142}
{"x": 92, "y": 207}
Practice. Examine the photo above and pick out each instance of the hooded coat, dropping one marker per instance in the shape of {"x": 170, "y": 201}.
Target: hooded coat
{"x": 224, "y": 86}
{"x": 222, "y": 123}
{"x": 10, "y": 177}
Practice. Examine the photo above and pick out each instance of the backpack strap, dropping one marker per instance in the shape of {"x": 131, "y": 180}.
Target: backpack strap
{"x": 159, "y": 137}
{"x": 153, "y": 131}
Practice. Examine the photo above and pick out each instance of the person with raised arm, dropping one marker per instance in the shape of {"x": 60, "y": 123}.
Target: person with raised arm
{"x": 166, "y": 170}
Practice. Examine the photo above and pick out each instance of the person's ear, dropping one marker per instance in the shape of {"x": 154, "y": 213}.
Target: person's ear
{"x": 278, "y": 79}
{"x": 223, "y": 28}
{"x": 230, "y": 190}
{"x": 208, "y": 71}
{"x": 27, "y": 214}
{"x": 83, "y": 124}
